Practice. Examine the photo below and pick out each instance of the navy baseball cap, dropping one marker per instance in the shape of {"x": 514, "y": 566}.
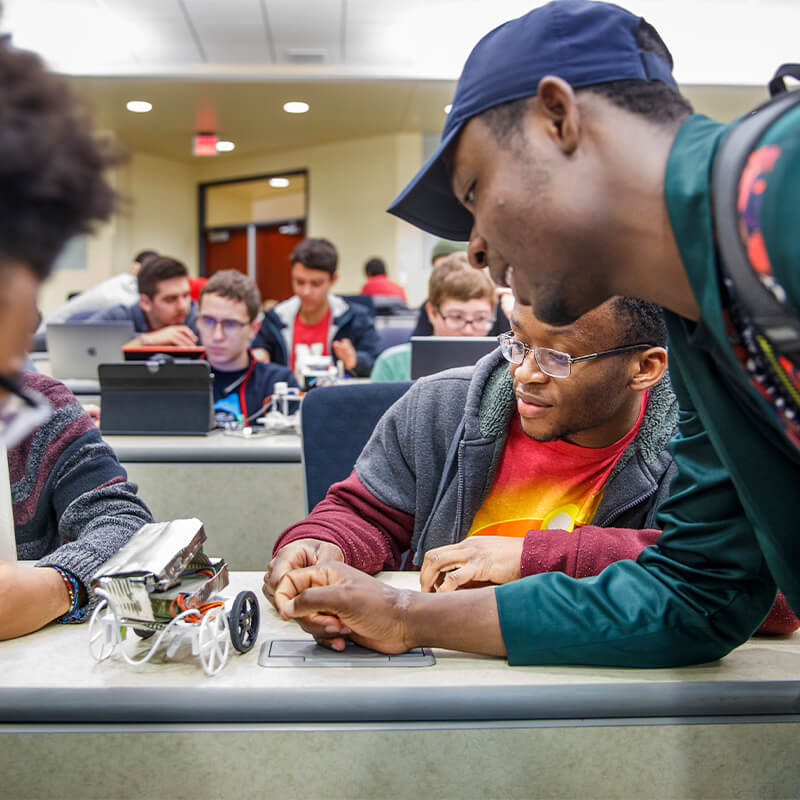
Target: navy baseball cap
{"x": 581, "y": 41}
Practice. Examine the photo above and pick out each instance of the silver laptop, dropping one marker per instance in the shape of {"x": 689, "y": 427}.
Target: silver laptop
{"x": 76, "y": 348}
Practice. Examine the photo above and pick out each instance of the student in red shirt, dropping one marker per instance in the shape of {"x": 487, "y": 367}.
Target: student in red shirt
{"x": 314, "y": 321}
{"x": 378, "y": 282}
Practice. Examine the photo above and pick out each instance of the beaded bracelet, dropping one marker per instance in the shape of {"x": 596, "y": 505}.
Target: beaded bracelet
{"x": 73, "y": 614}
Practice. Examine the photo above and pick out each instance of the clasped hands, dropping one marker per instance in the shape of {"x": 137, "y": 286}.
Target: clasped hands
{"x": 308, "y": 581}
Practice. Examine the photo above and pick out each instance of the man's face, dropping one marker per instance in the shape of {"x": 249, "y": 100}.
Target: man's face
{"x": 169, "y": 305}
{"x": 592, "y": 407}
{"x": 225, "y": 331}
{"x": 312, "y": 287}
{"x": 449, "y": 319}
{"x": 18, "y": 317}
{"x": 534, "y": 212}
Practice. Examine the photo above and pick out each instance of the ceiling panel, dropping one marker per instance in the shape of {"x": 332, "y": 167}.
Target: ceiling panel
{"x": 308, "y": 25}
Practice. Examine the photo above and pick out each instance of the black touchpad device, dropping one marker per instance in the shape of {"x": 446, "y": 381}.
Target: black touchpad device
{"x": 151, "y": 397}
{"x": 307, "y": 653}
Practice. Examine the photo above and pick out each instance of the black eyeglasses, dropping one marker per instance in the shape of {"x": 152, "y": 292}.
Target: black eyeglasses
{"x": 457, "y": 322}
{"x": 553, "y": 362}
{"x": 229, "y": 326}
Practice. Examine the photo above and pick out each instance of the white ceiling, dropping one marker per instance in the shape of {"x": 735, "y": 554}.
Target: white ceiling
{"x": 366, "y": 66}
{"x": 713, "y": 41}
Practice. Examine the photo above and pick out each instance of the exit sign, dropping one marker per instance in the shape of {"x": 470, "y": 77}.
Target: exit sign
{"x": 204, "y": 144}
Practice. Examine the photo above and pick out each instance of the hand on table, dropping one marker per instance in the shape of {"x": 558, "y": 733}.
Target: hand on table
{"x": 477, "y": 561}
{"x": 172, "y": 335}
{"x": 344, "y": 351}
{"x": 30, "y": 597}
{"x": 340, "y": 601}
{"x": 296, "y": 555}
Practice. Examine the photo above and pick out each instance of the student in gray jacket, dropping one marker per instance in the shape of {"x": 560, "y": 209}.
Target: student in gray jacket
{"x": 491, "y": 474}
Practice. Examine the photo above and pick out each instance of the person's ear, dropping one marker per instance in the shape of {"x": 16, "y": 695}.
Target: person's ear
{"x": 649, "y": 368}
{"x": 146, "y": 303}
{"x": 557, "y": 103}
{"x": 334, "y": 278}
{"x": 429, "y": 311}
{"x": 255, "y": 326}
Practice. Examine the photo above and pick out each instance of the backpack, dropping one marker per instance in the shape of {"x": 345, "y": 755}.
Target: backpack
{"x": 765, "y": 322}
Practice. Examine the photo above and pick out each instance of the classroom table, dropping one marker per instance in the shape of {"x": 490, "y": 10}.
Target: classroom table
{"x": 245, "y": 490}
{"x": 466, "y": 727}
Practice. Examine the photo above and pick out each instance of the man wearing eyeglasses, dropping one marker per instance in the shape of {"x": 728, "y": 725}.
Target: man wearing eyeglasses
{"x": 227, "y": 320}
{"x": 461, "y": 302}
{"x": 550, "y": 456}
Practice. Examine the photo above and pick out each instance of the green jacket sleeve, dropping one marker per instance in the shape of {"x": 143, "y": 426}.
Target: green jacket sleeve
{"x": 699, "y": 592}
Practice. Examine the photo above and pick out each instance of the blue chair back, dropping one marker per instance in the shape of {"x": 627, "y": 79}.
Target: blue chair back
{"x": 335, "y": 423}
{"x": 389, "y": 337}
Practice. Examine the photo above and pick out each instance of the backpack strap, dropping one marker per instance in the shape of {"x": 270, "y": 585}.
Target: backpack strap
{"x": 777, "y": 323}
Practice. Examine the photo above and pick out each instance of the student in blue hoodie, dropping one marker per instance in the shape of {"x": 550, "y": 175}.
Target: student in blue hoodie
{"x": 314, "y": 321}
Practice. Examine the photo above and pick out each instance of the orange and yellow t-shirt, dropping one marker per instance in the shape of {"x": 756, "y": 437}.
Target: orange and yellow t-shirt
{"x": 547, "y": 485}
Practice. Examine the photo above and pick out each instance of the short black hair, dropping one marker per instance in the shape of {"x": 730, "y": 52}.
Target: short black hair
{"x": 155, "y": 270}
{"x": 316, "y": 254}
{"x": 52, "y": 168}
{"x": 657, "y": 101}
{"x": 375, "y": 266}
{"x": 642, "y": 321}
{"x": 144, "y": 255}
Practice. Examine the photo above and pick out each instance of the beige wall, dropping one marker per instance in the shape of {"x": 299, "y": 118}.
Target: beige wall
{"x": 350, "y": 184}
{"x": 161, "y": 212}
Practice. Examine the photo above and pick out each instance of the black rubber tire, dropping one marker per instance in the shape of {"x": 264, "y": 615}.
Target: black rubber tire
{"x": 143, "y": 633}
{"x": 244, "y": 621}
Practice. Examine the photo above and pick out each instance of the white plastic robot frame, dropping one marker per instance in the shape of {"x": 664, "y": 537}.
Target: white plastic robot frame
{"x": 161, "y": 585}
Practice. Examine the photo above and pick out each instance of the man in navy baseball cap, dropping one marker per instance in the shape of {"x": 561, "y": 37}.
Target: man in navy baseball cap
{"x": 578, "y": 172}
{"x": 584, "y": 43}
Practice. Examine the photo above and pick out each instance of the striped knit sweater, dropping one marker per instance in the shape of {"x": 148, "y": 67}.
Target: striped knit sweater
{"x": 73, "y": 504}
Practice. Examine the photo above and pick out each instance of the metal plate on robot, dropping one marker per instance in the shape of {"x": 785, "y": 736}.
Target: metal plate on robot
{"x": 307, "y": 653}
{"x": 162, "y": 549}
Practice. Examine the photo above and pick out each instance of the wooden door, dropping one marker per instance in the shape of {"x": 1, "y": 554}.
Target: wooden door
{"x": 226, "y": 250}
{"x": 273, "y": 249}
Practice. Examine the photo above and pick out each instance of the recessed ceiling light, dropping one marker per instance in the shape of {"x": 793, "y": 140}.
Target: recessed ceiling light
{"x": 279, "y": 183}
{"x": 447, "y": 108}
{"x": 139, "y": 106}
{"x": 224, "y": 146}
{"x": 295, "y": 107}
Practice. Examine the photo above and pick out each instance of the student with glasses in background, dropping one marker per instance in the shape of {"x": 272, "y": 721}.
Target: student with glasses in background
{"x": 461, "y": 302}
{"x": 550, "y": 455}
{"x": 227, "y": 319}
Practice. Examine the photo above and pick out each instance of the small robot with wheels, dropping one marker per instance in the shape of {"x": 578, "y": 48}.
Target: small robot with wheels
{"x": 162, "y": 586}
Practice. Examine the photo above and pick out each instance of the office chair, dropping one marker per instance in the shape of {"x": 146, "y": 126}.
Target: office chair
{"x": 389, "y": 337}
{"x": 336, "y": 422}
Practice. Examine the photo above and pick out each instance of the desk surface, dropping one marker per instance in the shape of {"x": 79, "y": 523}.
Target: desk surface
{"x": 50, "y": 676}
{"x": 217, "y": 446}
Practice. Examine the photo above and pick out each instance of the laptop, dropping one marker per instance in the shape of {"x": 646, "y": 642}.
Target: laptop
{"x": 76, "y": 348}
{"x": 8, "y": 540}
{"x": 156, "y": 397}
{"x": 431, "y": 354}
